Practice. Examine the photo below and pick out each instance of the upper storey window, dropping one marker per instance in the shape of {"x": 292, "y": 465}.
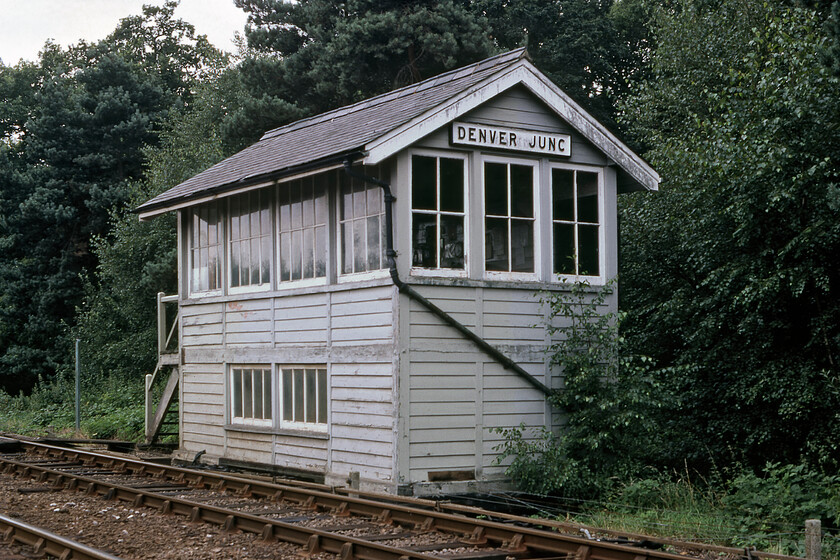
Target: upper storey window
{"x": 362, "y": 226}
{"x": 302, "y": 224}
{"x": 437, "y": 212}
{"x": 509, "y": 217}
{"x": 576, "y": 222}
{"x": 206, "y": 249}
{"x": 250, "y": 240}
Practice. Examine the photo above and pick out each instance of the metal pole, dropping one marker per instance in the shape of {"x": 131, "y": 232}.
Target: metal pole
{"x": 78, "y": 388}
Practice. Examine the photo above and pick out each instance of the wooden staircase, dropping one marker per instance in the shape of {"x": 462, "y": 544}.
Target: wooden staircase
{"x": 169, "y": 361}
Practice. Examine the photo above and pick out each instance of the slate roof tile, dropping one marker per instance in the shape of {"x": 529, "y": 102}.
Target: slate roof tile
{"x": 336, "y": 132}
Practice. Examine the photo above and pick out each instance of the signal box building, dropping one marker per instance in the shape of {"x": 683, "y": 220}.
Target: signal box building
{"x": 360, "y": 291}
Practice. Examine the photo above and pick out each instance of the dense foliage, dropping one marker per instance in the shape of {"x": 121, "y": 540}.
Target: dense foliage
{"x": 72, "y": 145}
{"x": 730, "y": 272}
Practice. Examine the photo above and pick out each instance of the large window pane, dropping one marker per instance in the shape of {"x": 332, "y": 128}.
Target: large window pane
{"x": 302, "y": 215}
{"x": 250, "y": 239}
{"x": 437, "y": 212}
{"x": 587, "y": 197}
{"x": 564, "y": 248}
{"x": 310, "y": 393}
{"x": 322, "y": 396}
{"x": 509, "y": 227}
{"x": 288, "y": 395}
{"x": 521, "y": 245}
{"x": 588, "y": 256}
{"x": 452, "y": 241}
{"x": 424, "y": 183}
{"x": 495, "y": 189}
{"x": 298, "y": 395}
{"x": 451, "y": 185}
{"x": 522, "y": 191}
{"x": 576, "y": 231}
{"x": 205, "y": 249}
{"x": 496, "y": 244}
{"x": 361, "y": 212}
{"x": 424, "y": 240}
{"x": 563, "y": 194}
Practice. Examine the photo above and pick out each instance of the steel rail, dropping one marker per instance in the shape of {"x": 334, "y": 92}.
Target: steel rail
{"x": 313, "y": 539}
{"x": 43, "y": 541}
{"x": 519, "y": 540}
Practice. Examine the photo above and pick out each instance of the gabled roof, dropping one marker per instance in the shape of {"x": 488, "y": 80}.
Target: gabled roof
{"x": 377, "y": 128}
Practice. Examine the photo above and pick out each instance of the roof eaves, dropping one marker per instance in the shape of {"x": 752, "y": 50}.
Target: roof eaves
{"x": 151, "y": 209}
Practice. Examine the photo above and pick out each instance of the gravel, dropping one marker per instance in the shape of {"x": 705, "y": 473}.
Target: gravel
{"x": 128, "y": 532}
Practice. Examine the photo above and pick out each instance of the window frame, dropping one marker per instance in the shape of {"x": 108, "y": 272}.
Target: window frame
{"x": 276, "y": 233}
{"x": 250, "y": 421}
{"x": 534, "y": 164}
{"x": 600, "y": 279}
{"x": 250, "y": 288}
{"x": 438, "y": 271}
{"x": 222, "y": 253}
{"x": 316, "y": 426}
{"x": 382, "y": 272}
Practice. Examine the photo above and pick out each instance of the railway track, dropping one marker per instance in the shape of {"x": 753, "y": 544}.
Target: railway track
{"x": 317, "y": 519}
{"x": 42, "y": 542}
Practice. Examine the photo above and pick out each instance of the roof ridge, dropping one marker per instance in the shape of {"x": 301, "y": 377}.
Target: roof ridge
{"x": 513, "y": 56}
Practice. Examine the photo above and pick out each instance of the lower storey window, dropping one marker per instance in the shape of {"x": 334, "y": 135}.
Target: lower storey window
{"x": 304, "y": 396}
{"x": 251, "y": 395}
{"x": 299, "y": 393}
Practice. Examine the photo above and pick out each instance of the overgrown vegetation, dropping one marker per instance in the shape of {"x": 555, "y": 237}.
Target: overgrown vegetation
{"x": 111, "y": 408}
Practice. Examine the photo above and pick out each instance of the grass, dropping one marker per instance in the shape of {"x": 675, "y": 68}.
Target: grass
{"x": 110, "y": 409}
{"x": 678, "y": 508}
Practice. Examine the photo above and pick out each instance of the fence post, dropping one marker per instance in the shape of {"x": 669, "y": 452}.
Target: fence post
{"x": 813, "y": 542}
{"x": 78, "y": 389}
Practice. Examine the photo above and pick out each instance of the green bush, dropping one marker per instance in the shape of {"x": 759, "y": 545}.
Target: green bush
{"x": 769, "y": 509}
{"x": 110, "y": 408}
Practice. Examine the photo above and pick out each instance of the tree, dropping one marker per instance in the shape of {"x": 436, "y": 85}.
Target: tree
{"x": 72, "y": 146}
{"x": 729, "y": 272}
{"x": 117, "y": 320}
{"x": 311, "y": 56}
{"x": 591, "y": 48}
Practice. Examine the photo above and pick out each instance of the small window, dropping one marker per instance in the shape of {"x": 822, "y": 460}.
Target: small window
{"x": 302, "y": 218}
{"x": 437, "y": 212}
{"x": 250, "y": 395}
{"x": 362, "y": 226}
{"x": 206, "y": 249}
{"x": 250, "y": 240}
{"x": 576, "y": 224}
{"x": 509, "y": 217}
{"x": 304, "y": 396}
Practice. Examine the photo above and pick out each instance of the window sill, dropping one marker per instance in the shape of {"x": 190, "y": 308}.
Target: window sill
{"x": 311, "y": 434}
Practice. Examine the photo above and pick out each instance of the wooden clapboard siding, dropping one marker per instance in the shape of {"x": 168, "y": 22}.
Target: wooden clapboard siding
{"x": 300, "y": 452}
{"x": 362, "y": 414}
{"x": 202, "y": 409}
{"x": 362, "y": 316}
{"x": 248, "y": 322}
{"x": 301, "y": 319}
{"x": 249, "y": 446}
{"x": 513, "y": 316}
{"x": 202, "y": 324}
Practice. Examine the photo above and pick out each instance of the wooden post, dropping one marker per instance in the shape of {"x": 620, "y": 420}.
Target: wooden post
{"x": 149, "y": 411}
{"x": 813, "y": 539}
{"x": 161, "y": 321}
